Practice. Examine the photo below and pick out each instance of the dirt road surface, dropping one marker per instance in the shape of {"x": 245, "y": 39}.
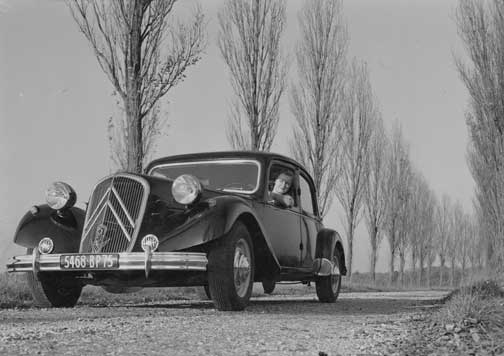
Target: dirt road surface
{"x": 357, "y": 324}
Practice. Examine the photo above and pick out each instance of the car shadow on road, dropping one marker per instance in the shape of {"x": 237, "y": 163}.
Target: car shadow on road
{"x": 307, "y": 306}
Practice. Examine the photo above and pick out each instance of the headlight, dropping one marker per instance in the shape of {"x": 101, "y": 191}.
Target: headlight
{"x": 151, "y": 241}
{"x": 46, "y": 245}
{"x": 60, "y": 195}
{"x": 186, "y": 189}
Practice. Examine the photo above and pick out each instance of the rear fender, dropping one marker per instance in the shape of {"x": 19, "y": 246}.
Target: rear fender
{"x": 327, "y": 242}
{"x": 64, "y": 228}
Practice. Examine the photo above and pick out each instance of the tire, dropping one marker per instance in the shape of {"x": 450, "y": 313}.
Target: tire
{"x": 51, "y": 291}
{"x": 268, "y": 285}
{"x": 231, "y": 269}
{"x": 328, "y": 287}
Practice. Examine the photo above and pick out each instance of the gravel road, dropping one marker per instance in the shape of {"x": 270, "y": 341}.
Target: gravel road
{"x": 275, "y": 325}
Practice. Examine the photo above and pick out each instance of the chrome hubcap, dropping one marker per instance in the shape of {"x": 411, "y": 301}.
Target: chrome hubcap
{"x": 242, "y": 271}
{"x": 335, "y": 275}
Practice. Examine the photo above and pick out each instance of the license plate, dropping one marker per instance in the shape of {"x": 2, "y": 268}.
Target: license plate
{"x": 89, "y": 261}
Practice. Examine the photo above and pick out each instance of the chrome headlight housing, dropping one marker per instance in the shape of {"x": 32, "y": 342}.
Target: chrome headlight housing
{"x": 60, "y": 195}
{"x": 186, "y": 189}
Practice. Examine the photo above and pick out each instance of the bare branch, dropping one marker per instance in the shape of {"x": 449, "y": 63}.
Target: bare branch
{"x": 249, "y": 42}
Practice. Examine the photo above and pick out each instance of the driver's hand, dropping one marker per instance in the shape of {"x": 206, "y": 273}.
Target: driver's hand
{"x": 288, "y": 201}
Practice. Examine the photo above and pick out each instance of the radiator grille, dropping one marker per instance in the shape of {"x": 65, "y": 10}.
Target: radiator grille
{"x": 114, "y": 214}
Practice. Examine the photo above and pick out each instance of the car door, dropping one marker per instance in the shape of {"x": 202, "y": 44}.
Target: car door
{"x": 282, "y": 224}
{"x": 310, "y": 222}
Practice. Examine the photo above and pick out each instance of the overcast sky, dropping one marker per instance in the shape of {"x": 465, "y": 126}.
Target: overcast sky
{"x": 55, "y": 100}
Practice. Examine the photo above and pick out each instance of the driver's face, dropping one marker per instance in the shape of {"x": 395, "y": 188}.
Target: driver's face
{"x": 282, "y": 184}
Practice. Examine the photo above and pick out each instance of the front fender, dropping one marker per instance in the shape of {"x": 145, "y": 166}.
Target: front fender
{"x": 208, "y": 225}
{"x": 64, "y": 228}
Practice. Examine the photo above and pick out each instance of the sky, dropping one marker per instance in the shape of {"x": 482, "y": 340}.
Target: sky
{"x": 55, "y": 101}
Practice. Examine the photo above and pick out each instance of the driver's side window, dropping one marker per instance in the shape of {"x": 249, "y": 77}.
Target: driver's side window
{"x": 281, "y": 186}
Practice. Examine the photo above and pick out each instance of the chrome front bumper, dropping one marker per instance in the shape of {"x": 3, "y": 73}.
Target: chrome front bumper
{"x": 128, "y": 261}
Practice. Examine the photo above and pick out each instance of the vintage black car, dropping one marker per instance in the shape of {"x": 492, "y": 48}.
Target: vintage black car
{"x": 205, "y": 219}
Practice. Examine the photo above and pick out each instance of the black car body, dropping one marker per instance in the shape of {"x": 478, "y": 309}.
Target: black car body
{"x": 203, "y": 219}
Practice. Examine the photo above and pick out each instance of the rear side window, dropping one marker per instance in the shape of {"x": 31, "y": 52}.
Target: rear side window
{"x": 307, "y": 198}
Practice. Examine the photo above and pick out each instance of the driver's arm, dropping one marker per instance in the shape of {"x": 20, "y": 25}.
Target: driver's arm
{"x": 286, "y": 201}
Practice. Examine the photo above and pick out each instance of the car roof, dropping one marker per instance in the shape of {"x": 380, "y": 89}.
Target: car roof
{"x": 257, "y": 155}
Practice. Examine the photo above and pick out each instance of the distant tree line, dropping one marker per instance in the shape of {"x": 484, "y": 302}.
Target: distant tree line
{"x": 481, "y": 28}
{"x": 339, "y": 136}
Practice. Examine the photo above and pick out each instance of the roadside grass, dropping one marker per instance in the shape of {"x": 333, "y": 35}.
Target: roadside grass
{"x": 14, "y": 291}
{"x": 470, "y": 322}
{"x": 476, "y": 310}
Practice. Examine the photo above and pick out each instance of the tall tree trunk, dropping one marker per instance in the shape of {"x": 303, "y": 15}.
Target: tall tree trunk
{"x": 429, "y": 274}
{"x": 350, "y": 244}
{"x": 402, "y": 262}
{"x": 374, "y": 253}
{"x": 413, "y": 270}
{"x": 391, "y": 267}
{"x": 441, "y": 271}
{"x": 452, "y": 273}
{"x": 133, "y": 88}
{"x": 421, "y": 268}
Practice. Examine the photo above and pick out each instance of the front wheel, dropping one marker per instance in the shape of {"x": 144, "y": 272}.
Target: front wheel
{"x": 231, "y": 269}
{"x": 328, "y": 287}
{"x": 50, "y": 290}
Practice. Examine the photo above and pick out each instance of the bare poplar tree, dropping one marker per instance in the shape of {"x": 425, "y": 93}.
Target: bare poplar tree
{"x": 396, "y": 191}
{"x": 249, "y": 42}
{"x": 359, "y": 113}
{"x": 463, "y": 242}
{"x": 414, "y": 222}
{"x": 427, "y": 231}
{"x": 317, "y": 98}
{"x": 144, "y": 54}
{"x": 429, "y": 245}
{"x": 443, "y": 229}
{"x": 481, "y": 28}
{"x": 405, "y": 217}
{"x": 375, "y": 193}
{"x": 455, "y": 237}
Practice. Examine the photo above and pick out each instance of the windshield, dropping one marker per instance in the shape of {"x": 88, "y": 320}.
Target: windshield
{"x": 228, "y": 175}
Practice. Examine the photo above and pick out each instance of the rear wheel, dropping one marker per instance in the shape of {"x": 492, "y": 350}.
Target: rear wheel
{"x": 231, "y": 269}
{"x": 328, "y": 287}
{"x": 50, "y": 290}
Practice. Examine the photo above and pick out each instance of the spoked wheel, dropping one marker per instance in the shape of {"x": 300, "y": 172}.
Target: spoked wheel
{"x": 50, "y": 290}
{"x": 268, "y": 285}
{"x": 231, "y": 270}
{"x": 328, "y": 287}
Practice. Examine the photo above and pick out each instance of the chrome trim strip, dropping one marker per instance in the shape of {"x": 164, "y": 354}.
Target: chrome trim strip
{"x": 114, "y": 212}
{"x": 93, "y": 220}
{"x": 94, "y": 216}
{"x": 123, "y": 206}
{"x": 128, "y": 261}
{"x": 220, "y": 161}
